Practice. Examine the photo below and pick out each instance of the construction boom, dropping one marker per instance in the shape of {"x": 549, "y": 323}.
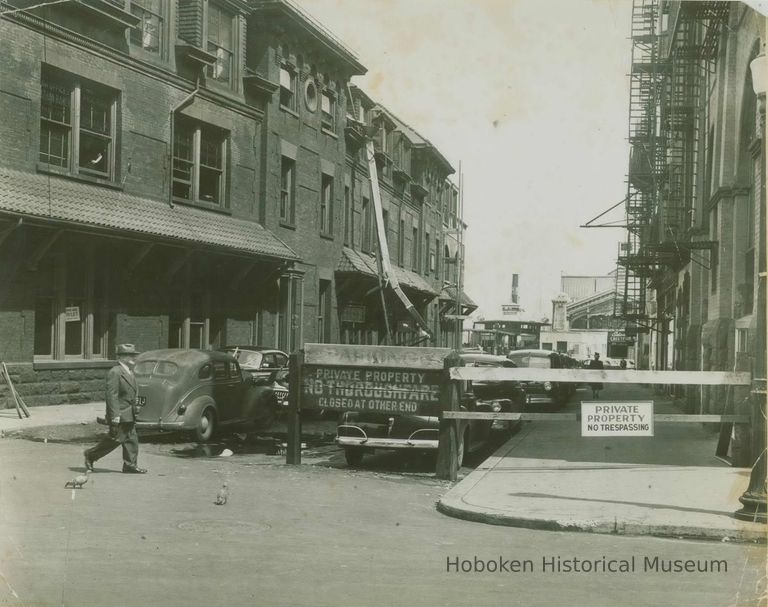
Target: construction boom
{"x": 385, "y": 266}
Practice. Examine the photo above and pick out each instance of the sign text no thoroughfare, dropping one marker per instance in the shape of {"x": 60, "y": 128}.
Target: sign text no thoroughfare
{"x": 370, "y": 389}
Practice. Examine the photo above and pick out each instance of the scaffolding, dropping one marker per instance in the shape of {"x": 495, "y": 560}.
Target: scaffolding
{"x": 674, "y": 45}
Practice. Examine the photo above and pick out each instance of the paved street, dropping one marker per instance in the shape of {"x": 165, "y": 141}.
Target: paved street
{"x": 319, "y": 534}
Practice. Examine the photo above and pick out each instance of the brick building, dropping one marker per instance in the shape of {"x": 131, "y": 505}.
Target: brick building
{"x": 174, "y": 174}
{"x": 696, "y": 197}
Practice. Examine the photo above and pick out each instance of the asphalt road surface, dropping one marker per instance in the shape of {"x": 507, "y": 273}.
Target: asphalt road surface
{"x": 317, "y": 534}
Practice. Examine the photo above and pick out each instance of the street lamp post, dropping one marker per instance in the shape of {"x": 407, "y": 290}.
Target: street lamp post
{"x": 754, "y": 499}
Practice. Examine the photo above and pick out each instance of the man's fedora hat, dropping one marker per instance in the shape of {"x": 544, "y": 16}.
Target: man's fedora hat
{"x": 126, "y": 350}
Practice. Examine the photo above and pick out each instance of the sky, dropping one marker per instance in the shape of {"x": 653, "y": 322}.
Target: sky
{"x": 530, "y": 98}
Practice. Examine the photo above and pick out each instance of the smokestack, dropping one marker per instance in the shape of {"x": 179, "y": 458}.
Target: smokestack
{"x": 514, "y": 288}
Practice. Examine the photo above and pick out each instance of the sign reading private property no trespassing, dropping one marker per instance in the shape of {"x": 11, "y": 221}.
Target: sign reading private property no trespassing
{"x": 620, "y": 418}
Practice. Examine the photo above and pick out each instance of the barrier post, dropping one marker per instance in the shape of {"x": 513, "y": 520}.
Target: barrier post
{"x": 295, "y": 381}
{"x": 447, "y": 467}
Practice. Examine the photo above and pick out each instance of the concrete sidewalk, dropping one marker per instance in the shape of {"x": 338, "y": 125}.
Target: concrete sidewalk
{"x": 548, "y": 477}
{"x": 54, "y": 415}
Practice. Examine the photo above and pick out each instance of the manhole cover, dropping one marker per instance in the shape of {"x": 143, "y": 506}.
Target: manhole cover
{"x": 222, "y": 526}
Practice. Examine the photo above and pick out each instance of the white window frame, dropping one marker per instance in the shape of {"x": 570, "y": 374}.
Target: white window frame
{"x": 288, "y": 83}
{"x": 287, "y": 191}
{"x": 326, "y": 204}
{"x": 75, "y": 131}
{"x": 224, "y": 56}
{"x": 195, "y": 163}
{"x": 152, "y": 25}
{"x": 328, "y": 115}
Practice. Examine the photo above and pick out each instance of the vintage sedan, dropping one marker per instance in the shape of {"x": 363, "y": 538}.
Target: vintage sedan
{"x": 363, "y": 432}
{"x": 544, "y": 393}
{"x": 263, "y": 363}
{"x": 197, "y": 391}
{"x": 258, "y": 360}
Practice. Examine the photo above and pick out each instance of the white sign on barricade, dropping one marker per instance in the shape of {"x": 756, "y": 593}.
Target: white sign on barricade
{"x": 618, "y": 418}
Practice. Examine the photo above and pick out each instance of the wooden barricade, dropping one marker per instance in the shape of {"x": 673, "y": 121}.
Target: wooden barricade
{"x": 361, "y": 378}
{"x": 343, "y": 378}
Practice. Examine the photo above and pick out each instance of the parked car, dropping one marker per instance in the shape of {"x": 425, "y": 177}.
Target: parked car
{"x": 257, "y": 360}
{"x": 544, "y": 393}
{"x": 198, "y": 391}
{"x": 264, "y": 363}
{"x": 363, "y": 432}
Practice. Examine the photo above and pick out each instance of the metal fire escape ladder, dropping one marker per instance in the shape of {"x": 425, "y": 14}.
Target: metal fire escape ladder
{"x": 646, "y": 81}
{"x": 384, "y": 264}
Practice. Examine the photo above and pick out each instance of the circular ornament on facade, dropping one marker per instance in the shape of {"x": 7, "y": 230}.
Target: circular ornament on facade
{"x": 310, "y": 95}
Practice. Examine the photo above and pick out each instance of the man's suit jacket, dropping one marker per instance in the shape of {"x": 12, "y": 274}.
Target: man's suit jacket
{"x": 121, "y": 394}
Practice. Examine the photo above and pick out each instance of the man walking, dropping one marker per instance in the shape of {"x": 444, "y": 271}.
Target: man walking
{"x": 596, "y": 363}
{"x": 121, "y": 413}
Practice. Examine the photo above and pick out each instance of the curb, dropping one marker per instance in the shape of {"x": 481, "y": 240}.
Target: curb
{"x": 449, "y": 505}
{"x": 452, "y": 504}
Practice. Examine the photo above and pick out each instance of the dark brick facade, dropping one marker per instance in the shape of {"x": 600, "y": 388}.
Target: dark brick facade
{"x": 79, "y": 285}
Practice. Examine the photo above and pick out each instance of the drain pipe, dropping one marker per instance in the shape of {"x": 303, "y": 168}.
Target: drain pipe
{"x": 180, "y": 106}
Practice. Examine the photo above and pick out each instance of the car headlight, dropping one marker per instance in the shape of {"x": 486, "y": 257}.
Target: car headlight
{"x": 547, "y": 385}
{"x": 181, "y": 410}
{"x": 496, "y": 407}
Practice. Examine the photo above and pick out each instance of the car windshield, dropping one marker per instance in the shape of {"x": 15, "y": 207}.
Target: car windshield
{"x": 159, "y": 368}
{"x": 248, "y": 359}
{"x": 536, "y": 362}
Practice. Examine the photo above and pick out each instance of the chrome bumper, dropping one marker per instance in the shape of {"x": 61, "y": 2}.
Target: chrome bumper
{"x": 385, "y": 443}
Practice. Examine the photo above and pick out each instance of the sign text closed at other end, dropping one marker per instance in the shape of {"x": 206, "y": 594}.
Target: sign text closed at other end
{"x": 622, "y": 418}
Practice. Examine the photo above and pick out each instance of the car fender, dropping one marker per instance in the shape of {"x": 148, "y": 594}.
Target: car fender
{"x": 195, "y": 409}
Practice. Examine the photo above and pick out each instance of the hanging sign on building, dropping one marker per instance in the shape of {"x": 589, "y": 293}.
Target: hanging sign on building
{"x": 619, "y": 418}
{"x": 72, "y": 314}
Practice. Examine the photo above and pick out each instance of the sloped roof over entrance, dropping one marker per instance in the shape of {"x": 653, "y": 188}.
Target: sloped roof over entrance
{"x": 355, "y": 262}
{"x": 70, "y": 202}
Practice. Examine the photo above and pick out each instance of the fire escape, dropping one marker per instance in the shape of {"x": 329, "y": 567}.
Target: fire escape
{"x": 673, "y": 48}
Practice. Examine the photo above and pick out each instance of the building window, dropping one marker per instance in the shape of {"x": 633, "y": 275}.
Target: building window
{"x": 287, "y": 87}
{"x": 415, "y": 250}
{"x": 324, "y": 312}
{"x": 148, "y": 34}
{"x": 326, "y": 204}
{"x": 367, "y": 225}
{"x": 742, "y": 340}
{"x": 328, "y": 106}
{"x": 199, "y": 162}
{"x": 562, "y": 346}
{"x": 77, "y": 125}
{"x": 288, "y": 190}
{"x": 221, "y": 43}
{"x": 189, "y": 323}
{"x": 348, "y": 219}
{"x": 71, "y": 308}
{"x": 401, "y": 244}
{"x": 428, "y": 260}
{"x": 436, "y": 259}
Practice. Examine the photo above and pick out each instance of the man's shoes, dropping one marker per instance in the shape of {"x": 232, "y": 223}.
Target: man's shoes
{"x": 88, "y": 462}
{"x": 134, "y": 470}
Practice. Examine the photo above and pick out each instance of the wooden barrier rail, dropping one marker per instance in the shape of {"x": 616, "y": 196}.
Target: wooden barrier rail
{"x": 607, "y": 376}
{"x": 576, "y": 416}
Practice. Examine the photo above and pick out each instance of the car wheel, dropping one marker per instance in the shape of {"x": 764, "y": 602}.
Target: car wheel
{"x": 206, "y": 425}
{"x": 353, "y": 456}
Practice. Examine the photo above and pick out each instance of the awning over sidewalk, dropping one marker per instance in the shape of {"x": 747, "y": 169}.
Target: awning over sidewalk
{"x": 68, "y": 201}
{"x": 354, "y": 262}
{"x": 448, "y": 294}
